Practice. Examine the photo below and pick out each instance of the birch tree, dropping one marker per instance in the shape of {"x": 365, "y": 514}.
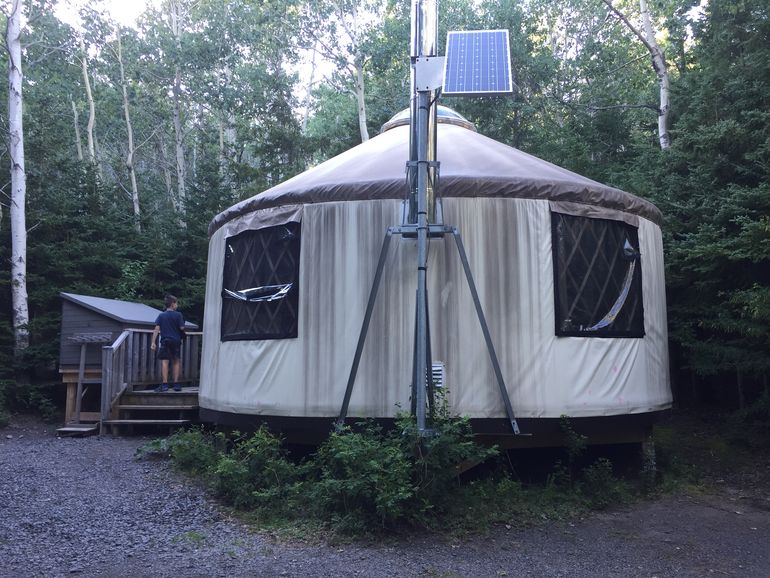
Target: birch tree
{"x": 130, "y": 135}
{"x": 91, "y": 105}
{"x": 176, "y": 15}
{"x": 647, "y": 37}
{"x": 18, "y": 182}
{"x": 338, "y": 30}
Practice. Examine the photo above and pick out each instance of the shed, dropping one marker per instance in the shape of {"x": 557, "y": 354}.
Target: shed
{"x": 569, "y": 272}
{"x": 82, "y": 314}
{"x": 88, "y": 324}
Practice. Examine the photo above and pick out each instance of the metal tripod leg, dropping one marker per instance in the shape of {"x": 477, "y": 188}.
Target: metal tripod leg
{"x": 365, "y": 326}
{"x": 485, "y": 331}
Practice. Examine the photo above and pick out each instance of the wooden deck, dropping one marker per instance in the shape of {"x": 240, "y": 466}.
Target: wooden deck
{"x": 119, "y": 396}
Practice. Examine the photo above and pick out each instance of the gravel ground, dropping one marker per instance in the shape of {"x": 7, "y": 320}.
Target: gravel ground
{"x": 84, "y": 507}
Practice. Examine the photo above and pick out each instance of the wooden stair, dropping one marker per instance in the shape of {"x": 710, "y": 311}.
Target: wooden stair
{"x": 77, "y": 429}
{"x": 148, "y": 411}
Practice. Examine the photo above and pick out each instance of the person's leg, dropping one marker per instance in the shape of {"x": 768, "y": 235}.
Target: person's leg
{"x": 177, "y": 371}
{"x": 164, "y": 373}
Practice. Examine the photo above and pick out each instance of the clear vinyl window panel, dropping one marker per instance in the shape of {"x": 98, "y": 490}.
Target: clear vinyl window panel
{"x": 597, "y": 277}
{"x": 260, "y": 287}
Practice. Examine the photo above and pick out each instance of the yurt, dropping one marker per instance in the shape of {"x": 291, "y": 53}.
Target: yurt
{"x": 569, "y": 274}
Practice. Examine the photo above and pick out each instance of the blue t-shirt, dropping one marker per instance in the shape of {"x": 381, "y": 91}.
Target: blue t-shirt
{"x": 170, "y": 323}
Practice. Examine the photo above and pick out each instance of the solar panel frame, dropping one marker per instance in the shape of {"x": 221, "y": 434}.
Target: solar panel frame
{"x": 478, "y": 63}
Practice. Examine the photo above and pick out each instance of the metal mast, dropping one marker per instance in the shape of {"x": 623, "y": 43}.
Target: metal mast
{"x": 422, "y": 149}
{"x": 424, "y": 219}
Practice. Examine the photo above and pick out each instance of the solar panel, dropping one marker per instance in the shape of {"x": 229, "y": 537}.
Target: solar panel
{"x": 478, "y": 62}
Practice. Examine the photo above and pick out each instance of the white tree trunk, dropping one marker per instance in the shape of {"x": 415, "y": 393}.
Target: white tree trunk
{"x": 130, "y": 132}
{"x": 661, "y": 70}
{"x": 91, "y": 106}
{"x": 658, "y": 63}
{"x": 165, "y": 163}
{"x": 360, "y": 100}
{"x": 181, "y": 167}
{"x": 19, "y": 297}
{"x": 310, "y": 84}
{"x": 76, "y": 121}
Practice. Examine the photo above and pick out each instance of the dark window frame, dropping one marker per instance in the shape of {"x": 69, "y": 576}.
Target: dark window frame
{"x": 260, "y": 284}
{"x": 597, "y": 272}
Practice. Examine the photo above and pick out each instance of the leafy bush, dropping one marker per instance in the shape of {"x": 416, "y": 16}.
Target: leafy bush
{"x": 5, "y": 415}
{"x": 256, "y": 473}
{"x": 436, "y": 460}
{"x": 750, "y": 426}
{"x": 193, "y": 451}
{"x": 364, "y": 478}
{"x": 600, "y": 486}
{"x": 37, "y": 398}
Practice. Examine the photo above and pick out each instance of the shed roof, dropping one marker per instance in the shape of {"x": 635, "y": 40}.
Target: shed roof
{"x": 472, "y": 165}
{"x": 122, "y": 311}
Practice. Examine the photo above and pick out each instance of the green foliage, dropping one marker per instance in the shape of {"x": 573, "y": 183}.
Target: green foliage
{"x": 575, "y": 444}
{"x": 36, "y": 398}
{"x": 600, "y": 486}
{"x": 750, "y": 426}
{"x": 256, "y": 474}
{"x": 5, "y": 414}
{"x": 364, "y": 480}
{"x": 193, "y": 451}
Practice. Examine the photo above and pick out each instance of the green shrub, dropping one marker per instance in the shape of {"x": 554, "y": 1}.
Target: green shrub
{"x": 599, "y": 485}
{"x": 193, "y": 451}
{"x": 364, "y": 478}
{"x": 368, "y": 476}
{"x": 5, "y": 415}
{"x": 256, "y": 473}
{"x": 750, "y": 426}
{"x": 437, "y": 458}
{"x": 31, "y": 398}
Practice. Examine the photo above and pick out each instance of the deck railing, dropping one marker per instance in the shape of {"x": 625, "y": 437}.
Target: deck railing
{"x": 129, "y": 362}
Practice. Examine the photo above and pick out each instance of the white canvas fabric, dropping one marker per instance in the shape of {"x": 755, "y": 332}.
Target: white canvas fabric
{"x": 508, "y": 241}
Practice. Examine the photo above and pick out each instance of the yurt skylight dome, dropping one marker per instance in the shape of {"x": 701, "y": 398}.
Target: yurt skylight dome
{"x": 444, "y": 115}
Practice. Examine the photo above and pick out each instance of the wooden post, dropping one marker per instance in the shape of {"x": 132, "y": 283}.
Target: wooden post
{"x": 81, "y": 377}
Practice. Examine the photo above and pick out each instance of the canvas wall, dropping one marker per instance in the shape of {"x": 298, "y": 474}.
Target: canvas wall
{"x": 508, "y": 242}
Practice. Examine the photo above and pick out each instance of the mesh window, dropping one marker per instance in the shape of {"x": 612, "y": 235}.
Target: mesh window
{"x": 597, "y": 277}
{"x": 260, "y": 289}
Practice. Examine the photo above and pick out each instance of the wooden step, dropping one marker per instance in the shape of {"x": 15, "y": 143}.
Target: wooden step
{"x": 146, "y": 421}
{"x": 166, "y": 398}
{"x": 161, "y": 407}
{"x": 74, "y": 429}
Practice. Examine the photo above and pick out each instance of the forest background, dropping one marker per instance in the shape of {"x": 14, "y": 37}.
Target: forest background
{"x": 135, "y": 138}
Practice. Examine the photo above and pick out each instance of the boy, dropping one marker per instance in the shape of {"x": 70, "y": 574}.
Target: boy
{"x": 170, "y": 326}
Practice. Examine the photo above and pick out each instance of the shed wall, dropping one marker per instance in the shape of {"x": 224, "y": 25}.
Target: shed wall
{"x": 77, "y": 319}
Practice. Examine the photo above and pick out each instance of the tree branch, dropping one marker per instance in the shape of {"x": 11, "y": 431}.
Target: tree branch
{"x": 631, "y": 27}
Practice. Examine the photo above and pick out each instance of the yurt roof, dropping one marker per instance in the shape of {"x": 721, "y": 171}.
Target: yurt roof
{"x": 472, "y": 165}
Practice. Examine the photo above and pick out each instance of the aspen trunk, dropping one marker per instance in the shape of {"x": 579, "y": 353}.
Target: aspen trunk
{"x": 90, "y": 100}
{"x": 181, "y": 168}
{"x": 310, "y": 83}
{"x": 76, "y": 121}
{"x": 658, "y": 64}
{"x": 360, "y": 100}
{"x": 167, "y": 177}
{"x": 661, "y": 70}
{"x": 130, "y": 154}
{"x": 19, "y": 297}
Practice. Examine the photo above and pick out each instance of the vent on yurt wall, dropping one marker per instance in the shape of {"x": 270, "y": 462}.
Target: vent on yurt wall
{"x": 438, "y": 374}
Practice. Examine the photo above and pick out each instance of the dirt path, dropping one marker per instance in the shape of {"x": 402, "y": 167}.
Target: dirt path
{"x": 85, "y": 507}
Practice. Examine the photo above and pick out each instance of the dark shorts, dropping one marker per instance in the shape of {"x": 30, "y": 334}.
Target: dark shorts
{"x": 169, "y": 349}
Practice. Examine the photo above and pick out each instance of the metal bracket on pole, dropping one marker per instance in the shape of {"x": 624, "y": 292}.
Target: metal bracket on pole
{"x": 365, "y": 326}
{"x": 485, "y": 331}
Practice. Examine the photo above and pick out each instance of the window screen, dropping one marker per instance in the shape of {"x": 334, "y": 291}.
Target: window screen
{"x": 260, "y": 288}
{"x": 597, "y": 277}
